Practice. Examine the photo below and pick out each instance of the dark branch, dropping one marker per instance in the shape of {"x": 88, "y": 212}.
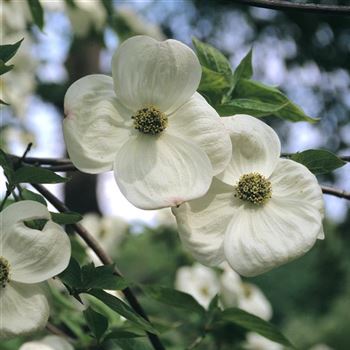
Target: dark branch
{"x": 41, "y": 161}
{"x": 301, "y": 7}
{"x": 103, "y": 256}
{"x": 335, "y": 192}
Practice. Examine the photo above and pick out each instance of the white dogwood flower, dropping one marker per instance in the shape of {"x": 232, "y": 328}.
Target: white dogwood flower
{"x": 50, "y": 342}
{"x": 199, "y": 281}
{"x": 28, "y": 257}
{"x": 247, "y": 296}
{"x": 261, "y": 212}
{"x": 148, "y": 124}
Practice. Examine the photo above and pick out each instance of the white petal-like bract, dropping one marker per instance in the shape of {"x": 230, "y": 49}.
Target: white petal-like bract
{"x": 165, "y": 172}
{"x": 23, "y": 309}
{"x": 255, "y": 148}
{"x": 151, "y": 72}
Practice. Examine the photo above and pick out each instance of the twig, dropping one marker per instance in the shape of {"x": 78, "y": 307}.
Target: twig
{"x": 335, "y": 192}
{"x": 57, "y": 331}
{"x": 301, "y": 7}
{"x": 196, "y": 342}
{"x": 103, "y": 256}
{"x": 41, "y": 161}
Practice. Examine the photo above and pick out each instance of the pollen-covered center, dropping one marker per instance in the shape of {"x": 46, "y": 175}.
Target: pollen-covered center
{"x": 4, "y": 272}
{"x": 254, "y": 188}
{"x": 150, "y": 120}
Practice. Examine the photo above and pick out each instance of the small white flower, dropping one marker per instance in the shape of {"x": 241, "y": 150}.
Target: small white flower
{"x": 27, "y": 258}
{"x": 261, "y": 212}
{"x": 50, "y": 342}
{"x": 199, "y": 281}
{"x": 258, "y": 342}
{"x": 85, "y": 16}
{"x": 148, "y": 124}
{"x": 246, "y": 296}
{"x": 108, "y": 230}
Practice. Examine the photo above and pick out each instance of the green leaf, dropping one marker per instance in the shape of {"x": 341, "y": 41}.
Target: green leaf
{"x": 29, "y": 195}
{"x": 37, "y": 12}
{"x": 7, "y": 165}
{"x": 3, "y": 102}
{"x": 97, "y": 323}
{"x": 244, "y": 70}
{"x": 122, "y": 309}
{"x": 3, "y": 68}
{"x": 131, "y": 344}
{"x": 211, "y": 58}
{"x": 318, "y": 161}
{"x": 71, "y": 276}
{"x": 213, "y": 81}
{"x": 37, "y": 175}
{"x": 8, "y": 51}
{"x": 174, "y": 298}
{"x": 250, "y": 89}
{"x": 254, "y": 324}
{"x": 249, "y": 106}
{"x": 122, "y": 333}
{"x": 102, "y": 277}
{"x": 65, "y": 218}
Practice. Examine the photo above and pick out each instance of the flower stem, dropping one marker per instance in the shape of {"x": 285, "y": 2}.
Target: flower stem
{"x": 103, "y": 256}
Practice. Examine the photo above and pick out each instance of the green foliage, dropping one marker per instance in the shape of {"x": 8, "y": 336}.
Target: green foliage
{"x": 37, "y": 12}
{"x": 122, "y": 309}
{"x": 318, "y": 161}
{"x": 254, "y": 324}
{"x": 174, "y": 298}
{"x": 29, "y": 195}
{"x": 36, "y": 175}
{"x": 6, "y": 53}
{"x": 97, "y": 323}
{"x": 235, "y": 93}
{"x": 79, "y": 280}
{"x": 66, "y": 218}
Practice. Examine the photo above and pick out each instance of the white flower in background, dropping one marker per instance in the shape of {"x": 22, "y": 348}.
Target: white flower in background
{"x": 50, "y": 342}
{"x": 261, "y": 212}
{"x": 199, "y": 281}
{"x": 85, "y": 16}
{"x": 258, "y": 342}
{"x": 17, "y": 86}
{"x": 109, "y": 231}
{"x": 321, "y": 347}
{"x": 246, "y": 296}
{"x": 27, "y": 258}
{"x": 137, "y": 24}
{"x": 14, "y": 16}
{"x": 148, "y": 124}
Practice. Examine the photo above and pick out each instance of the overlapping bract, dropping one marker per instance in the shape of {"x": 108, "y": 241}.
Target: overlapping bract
{"x": 33, "y": 256}
{"x": 152, "y": 171}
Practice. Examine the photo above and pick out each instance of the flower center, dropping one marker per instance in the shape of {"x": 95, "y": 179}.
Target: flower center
{"x": 4, "y": 272}
{"x": 150, "y": 120}
{"x": 254, "y": 188}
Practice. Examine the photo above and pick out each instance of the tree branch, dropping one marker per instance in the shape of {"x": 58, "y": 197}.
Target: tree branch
{"x": 335, "y": 192}
{"x": 41, "y": 161}
{"x": 57, "y": 331}
{"x": 301, "y": 7}
{"x": 103, "y": 256}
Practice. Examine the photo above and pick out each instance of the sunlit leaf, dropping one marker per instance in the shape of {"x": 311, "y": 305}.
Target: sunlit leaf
{"x": 318, "y": 161}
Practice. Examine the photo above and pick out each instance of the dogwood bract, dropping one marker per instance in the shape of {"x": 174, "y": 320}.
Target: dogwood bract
{"x": 27, "y": 258}
{"x": 261, "y": 212}
{"x": 148, "y": 124}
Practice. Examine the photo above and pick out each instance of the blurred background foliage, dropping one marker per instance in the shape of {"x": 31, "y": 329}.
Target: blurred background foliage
{"x": 306, "y": 55}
